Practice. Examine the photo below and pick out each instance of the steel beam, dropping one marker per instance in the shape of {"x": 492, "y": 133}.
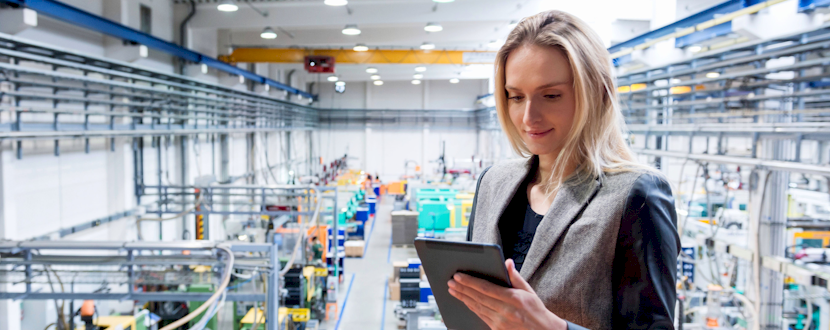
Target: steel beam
{"x": 84, "y": 19}
{"x": 348, "y": 56}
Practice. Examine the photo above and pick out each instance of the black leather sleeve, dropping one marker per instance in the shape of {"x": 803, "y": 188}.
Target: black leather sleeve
{"x": 645, "y": 262}
{"x": 472, "y": 220}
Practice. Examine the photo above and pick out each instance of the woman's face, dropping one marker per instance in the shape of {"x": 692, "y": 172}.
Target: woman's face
{"x": 540, "y": 97}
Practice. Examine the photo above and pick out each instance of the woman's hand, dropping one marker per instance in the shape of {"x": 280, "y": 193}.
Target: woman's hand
{"x": 505, "y": 308}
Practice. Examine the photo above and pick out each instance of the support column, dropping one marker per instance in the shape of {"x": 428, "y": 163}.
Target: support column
{"x": 9, "y": 309}
{"x": 311, "y": 163}
{"x": 184, "y": 227}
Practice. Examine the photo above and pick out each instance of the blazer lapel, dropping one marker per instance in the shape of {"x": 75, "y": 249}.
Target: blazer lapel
{"x": 486, "y": 227}
{"x": 568, "y": 203}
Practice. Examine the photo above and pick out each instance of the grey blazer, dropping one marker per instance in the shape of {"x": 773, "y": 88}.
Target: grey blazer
{"x": 604, "y": 255}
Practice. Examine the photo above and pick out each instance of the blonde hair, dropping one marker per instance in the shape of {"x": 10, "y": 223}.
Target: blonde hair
{"x": 595, "y": 141}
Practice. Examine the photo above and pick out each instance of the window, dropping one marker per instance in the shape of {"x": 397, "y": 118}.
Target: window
{"x": 146, "y": 20}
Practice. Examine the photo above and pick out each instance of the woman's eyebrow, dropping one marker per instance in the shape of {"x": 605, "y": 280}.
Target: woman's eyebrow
{"x": 548, "y": 85}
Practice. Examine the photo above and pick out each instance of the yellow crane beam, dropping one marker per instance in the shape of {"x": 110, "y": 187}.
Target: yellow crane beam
{"x": 348, "y": 56}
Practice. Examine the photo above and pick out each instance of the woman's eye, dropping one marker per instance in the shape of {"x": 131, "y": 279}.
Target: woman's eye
{"x": 515, "y": 98}
{"x": 552, "y": 96}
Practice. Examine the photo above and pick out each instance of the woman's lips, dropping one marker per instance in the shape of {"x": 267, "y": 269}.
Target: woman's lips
{"x": 538, "y": 134}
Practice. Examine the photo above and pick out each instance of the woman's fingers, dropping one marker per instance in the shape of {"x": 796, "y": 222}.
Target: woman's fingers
{"x": 502, "y": 304}
{"x": 515, "y": 278}
{"x": 474, "y": 304}
{"x": 482, "y": 286}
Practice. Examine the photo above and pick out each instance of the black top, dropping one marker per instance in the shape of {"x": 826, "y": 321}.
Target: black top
{"x": 517, "y": 232}
{"x": 645, "y": 261}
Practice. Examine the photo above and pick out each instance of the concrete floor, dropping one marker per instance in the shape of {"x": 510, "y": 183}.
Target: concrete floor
{"x": 363, "y": 297}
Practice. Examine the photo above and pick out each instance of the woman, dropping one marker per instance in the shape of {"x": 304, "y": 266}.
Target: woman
{"x": 589, "y": 235}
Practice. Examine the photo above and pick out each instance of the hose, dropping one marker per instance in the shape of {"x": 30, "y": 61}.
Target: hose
{"x": 256, "y": 320}
{"x": 748, "y": 303}
{"x": 222, "y": 286}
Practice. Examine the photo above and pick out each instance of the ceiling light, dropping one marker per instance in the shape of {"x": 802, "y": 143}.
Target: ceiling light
{"x": 378, "y": 82}
{"x": 454, "y": 81}
{"x": 228, "y": 6}
{"x": 695, "y": 49}
{"x": 375, "y": 77}
{"x": 427, "y": 46}
{"x": 336, "y": 2}
{"x": 417, "y": 76}
{"x": 371, "y": 70}
{"x": 712, "y": 75}
{"x": 420, "y": 69}
{"x": 351, "y": 30}
{"x": 433, "y": 27}
{"x": 512, "y": 25}
{"x": 361, "y": 48}
{"x": 340, "y": 83}
{"x": 332, "y": 78}
{"x": 416, "y": 82}
{"x": 268, "y": 33}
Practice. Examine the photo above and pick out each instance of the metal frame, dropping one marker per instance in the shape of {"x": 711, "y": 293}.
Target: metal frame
{"x": 96, "y": 23}
{"x": 23, "y": 255}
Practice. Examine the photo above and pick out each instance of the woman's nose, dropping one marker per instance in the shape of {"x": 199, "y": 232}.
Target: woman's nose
{"x": 532, "y": 113}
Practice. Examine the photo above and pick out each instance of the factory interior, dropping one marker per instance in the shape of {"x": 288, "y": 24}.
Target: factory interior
{"x": 269, "y": 164}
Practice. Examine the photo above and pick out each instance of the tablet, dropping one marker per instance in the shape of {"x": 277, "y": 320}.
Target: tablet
{"x": 442, "y": 259}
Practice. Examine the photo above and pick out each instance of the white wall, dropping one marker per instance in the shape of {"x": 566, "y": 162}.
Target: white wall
{"x": 430, "y": 95}
{"x": 385, "y": 151}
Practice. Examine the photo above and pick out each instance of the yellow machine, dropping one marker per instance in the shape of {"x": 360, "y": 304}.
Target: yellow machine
{"x": 297, "y": 315}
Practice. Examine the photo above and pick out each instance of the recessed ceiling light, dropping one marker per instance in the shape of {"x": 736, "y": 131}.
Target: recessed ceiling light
{"x": 375, "y": 77}
{"x": 454, "y": 81}
{"x": 378, "y": 82}
{"x": 417, "y": 76}
{"x": 361, "y": 48}
{"x": 332, "y": 78}
{"x": 416, "y": 82}
{"x": 712, "y": 75}
{"x": 351, "y": 30}
{"x": 227, "y": 6}
{"x": 420, "y": 69}
{"x": 371, "y": 70}
{"x": 695, "y": 49}
{"x": 268, "y": 33}
{"x": 433, "y": 27}
{"x": 340, "y": 83}
{"x": 427, "y": 46}
{"x": 336, "y": 2}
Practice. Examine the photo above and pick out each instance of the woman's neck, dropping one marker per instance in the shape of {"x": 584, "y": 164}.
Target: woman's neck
{"x": 545, "y": 168}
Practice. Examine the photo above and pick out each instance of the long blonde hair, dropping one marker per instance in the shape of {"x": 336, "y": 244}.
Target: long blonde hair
{"x": 595, "y": 141}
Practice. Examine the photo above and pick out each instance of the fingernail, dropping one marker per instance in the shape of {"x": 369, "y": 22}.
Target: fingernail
{"x": 451, "y": 283}
{"x": 452, "y": 292}
{"x": 457, "y": 277}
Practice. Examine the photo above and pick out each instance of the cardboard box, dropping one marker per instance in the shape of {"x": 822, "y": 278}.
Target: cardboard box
{"x": 394, "y": 289}
{"x": 397, "y": 265}
{"x": 354, "y": 248}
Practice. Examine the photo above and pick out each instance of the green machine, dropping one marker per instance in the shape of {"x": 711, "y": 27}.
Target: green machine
{"x": 433, "y": 214}
{"x": 201, "y": 288}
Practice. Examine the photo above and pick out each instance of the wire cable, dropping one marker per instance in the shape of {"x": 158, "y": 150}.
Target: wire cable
{"x": 222, "y": 286}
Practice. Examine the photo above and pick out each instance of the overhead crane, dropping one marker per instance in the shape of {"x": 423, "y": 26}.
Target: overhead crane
{"x": 348, "y": 56}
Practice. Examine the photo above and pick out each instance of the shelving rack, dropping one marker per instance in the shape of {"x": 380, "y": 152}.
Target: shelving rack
{"x": 692, "y": 109}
